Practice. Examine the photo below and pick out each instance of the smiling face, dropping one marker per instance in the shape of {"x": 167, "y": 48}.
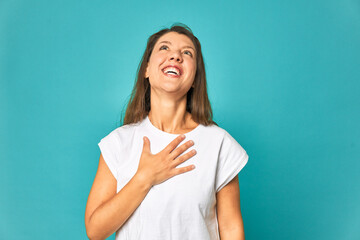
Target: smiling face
{"x": 172, "y": 64}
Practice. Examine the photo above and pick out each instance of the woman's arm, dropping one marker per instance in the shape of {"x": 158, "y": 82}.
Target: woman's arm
{"x": 106, "y": 211}
{"x": 230, "y": 221}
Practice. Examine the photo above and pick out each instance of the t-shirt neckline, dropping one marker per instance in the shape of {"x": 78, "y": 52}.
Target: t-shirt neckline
{"x": 161, "y": 132}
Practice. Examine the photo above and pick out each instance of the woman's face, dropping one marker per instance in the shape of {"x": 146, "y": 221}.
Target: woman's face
{"x": 172, "y": 64}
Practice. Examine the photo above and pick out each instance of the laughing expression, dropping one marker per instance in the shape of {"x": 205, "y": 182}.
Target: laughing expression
{"x": 172, "y": 64}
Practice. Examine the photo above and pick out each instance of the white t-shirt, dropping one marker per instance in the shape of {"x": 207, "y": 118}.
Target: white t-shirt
{"x": 182, "y": 207}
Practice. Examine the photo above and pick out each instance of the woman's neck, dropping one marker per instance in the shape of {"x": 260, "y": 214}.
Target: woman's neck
{"x": 177, "y": 124}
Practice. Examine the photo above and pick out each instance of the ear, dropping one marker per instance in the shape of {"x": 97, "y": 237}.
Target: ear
{"x": 146, "y": 72}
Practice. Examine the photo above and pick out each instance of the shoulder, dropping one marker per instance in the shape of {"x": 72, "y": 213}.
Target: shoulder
{"x": 216, "y": 131}
{"x": 225, "y": 139}
{"x": 123, "y": 133}
{"x": 125, "y": 130}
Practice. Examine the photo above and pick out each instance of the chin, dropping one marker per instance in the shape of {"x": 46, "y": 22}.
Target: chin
{"x": 171, "y": 88}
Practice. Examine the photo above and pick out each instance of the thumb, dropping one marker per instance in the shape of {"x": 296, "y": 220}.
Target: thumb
{"x": 146, "y": 145}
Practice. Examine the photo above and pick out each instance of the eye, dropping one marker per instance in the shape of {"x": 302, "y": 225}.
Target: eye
{"x": 188, "y": 52}
{"x": 163, "y": 47}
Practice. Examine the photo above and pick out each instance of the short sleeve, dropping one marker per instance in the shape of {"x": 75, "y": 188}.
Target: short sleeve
{"x": 232, "y": 158}
{"x": 109, "y": 147}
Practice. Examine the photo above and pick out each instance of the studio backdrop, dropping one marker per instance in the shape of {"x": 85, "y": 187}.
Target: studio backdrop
{"x": 283, "y": 80}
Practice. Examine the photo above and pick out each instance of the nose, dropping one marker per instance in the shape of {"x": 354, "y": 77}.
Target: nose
{"x": 176, "y": 56}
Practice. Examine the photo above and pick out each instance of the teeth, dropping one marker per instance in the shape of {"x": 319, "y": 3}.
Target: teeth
{"x": 171, "y": 70}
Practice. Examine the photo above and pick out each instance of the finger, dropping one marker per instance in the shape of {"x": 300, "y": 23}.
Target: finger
{"x": 170, "y": 147}
{"x": 174, "y": 154}
{"x": 181, "y": 170}
{"x": 184, "y": 157}
{"x": 146, "y": 144}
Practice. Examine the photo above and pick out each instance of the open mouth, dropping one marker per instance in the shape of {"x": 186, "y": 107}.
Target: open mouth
{"x": 171, "y": 72}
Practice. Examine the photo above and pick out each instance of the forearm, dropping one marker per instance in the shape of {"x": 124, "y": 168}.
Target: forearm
{"x": 233, "y": 234}
{"x": 111, "y": 215}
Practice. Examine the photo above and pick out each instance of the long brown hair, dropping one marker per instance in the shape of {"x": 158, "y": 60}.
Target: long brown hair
{"x": 198, "y": 104}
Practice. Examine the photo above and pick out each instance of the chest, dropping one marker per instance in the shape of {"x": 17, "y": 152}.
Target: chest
{"x": 190, "y": 191}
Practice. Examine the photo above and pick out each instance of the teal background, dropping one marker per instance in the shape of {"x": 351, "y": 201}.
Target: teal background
{"x": 283, "y": 79}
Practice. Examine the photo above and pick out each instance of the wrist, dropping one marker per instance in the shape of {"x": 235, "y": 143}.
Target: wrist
{"x": 142, "y": 180}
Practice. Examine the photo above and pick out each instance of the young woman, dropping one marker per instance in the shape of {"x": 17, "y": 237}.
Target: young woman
{"x": 170, "y": 172}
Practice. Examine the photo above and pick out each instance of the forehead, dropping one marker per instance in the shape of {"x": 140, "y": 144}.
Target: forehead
{"x": 176, "y": 38}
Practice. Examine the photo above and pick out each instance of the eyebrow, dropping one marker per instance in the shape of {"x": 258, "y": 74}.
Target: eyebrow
{"x": 170, "y": 44}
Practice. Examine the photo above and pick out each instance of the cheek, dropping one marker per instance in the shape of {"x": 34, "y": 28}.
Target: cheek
{"x": 192, "y": 66}
{"x": 158, "y": 57}
{"x": 155, "y": 64}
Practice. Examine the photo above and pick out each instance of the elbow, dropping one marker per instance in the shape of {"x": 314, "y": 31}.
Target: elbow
{"x": 95, "y": 231}
{"x": 94, "y": 236}
{"x": 91, "y": 234}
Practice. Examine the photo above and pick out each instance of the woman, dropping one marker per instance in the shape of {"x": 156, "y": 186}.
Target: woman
{"x": 146, "y": 185}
